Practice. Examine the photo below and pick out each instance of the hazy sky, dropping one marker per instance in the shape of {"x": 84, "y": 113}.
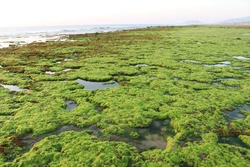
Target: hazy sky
{"x": 81, "y": 12}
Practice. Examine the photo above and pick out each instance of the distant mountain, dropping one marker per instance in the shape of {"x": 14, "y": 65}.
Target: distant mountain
{"x": 192, "y": 22}
{"x": 236, "y": 20}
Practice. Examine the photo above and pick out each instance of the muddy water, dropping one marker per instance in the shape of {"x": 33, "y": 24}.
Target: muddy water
{"x": 95, "y": 85}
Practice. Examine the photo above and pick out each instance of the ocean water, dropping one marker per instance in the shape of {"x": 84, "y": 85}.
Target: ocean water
{"x": 23, "y": 35}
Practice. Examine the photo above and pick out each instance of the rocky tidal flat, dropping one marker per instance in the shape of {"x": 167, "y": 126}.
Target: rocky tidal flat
{"x": 172, "y": 96}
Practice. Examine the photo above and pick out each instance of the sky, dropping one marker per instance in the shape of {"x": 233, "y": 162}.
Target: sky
{"x": 16, "y": 13}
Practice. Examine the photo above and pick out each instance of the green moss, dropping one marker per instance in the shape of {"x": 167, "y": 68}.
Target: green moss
{"x": 77, "y": 149}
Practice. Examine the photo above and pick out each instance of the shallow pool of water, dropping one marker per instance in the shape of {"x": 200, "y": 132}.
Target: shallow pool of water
{"x": 67, "y": 69}
{"x": 30, "y": 140}
{"x": 235, "y": 114}
{"x": 221, "y": 64}
{"x": 70, "y": 105}
{"x": 141, "y": 65}
{"x": 154, "y": 136}
{"x": 13, "y": 88}
{"x": 50, "y": 72}
{"x": 189, "y": 61}
{"x": 68, "y": 60}
{"x": 226, "y": 79}
{"x": 232, "y": 141}
{"x": 95, "y": 85}
{"x": 241, "y": 58}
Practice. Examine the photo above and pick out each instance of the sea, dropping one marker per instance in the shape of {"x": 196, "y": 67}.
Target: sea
{"x": 15, "y": 36}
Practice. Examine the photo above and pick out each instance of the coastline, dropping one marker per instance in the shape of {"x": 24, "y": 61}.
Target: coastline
{"x": 55, "y": 33}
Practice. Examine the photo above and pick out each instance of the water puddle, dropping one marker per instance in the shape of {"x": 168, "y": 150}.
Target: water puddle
{"x": 141, "y": 65}
{"x": 152, "y": 137}
{"x": 232, "y": 141}
{"x": 29, "y": 140}
{"x": 50, "y": 72}
{"x": 241, "y": 58}
{"x": 235, "y": 114}
{"x": 96, "y": 85}
{"x": 68, "y": 60}
{"x": 67, "y": 69}
{"x": 189, "y": 61}
{"x": 98, "y": 108}
{"x": 13, "y": 88}
{"x": 226, "y": 79}
{"x": 221, "y": 64}
{"x": 226, "y": 62}
{"x": 70, "y": 105}
{"x": 155, "y": 136}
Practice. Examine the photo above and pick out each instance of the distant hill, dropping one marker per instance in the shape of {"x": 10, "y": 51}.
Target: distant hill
{"x": 192, "y": 22}
{"x": 236, "y": 20}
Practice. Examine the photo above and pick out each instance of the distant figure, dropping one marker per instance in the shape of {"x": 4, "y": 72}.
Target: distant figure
{"x": 162, "y": 27}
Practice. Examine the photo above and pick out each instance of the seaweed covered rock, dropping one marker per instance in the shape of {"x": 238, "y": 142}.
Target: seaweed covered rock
{"x": 77, "y": 149}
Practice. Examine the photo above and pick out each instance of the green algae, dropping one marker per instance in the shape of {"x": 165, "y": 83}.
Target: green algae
{"x": 181, "y": 74}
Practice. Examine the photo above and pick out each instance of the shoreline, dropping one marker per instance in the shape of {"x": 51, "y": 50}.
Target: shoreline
{"x": 28, "y": 36}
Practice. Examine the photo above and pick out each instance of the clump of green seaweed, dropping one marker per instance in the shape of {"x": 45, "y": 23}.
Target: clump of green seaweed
{"x": 177, "y": 96}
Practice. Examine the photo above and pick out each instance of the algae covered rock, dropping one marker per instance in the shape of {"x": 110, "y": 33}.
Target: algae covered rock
{"x": 77, "y": 149}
